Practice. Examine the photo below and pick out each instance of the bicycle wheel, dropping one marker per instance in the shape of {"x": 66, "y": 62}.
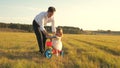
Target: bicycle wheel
{"x": 48, "y": 53}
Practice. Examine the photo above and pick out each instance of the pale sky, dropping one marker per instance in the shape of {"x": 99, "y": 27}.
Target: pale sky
{"x": 86, "y": 14}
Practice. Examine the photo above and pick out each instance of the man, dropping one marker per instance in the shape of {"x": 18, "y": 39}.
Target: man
{"x": 38, "y": 25}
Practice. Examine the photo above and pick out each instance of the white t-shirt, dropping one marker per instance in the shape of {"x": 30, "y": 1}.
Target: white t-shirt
{"x": 42, "y": 20}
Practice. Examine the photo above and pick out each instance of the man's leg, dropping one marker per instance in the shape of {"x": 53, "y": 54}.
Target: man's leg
{"x": 44, "y": 40}
{"x": 39, "y": 37}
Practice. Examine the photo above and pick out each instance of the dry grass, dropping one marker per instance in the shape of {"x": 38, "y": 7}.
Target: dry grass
{"x": 19, "y": 50}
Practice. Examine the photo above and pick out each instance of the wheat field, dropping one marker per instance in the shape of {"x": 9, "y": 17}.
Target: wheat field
{"x": 19, "y": 50}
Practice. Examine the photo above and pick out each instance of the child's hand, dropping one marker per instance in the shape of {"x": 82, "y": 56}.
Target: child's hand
{"x": 54, "y": 37}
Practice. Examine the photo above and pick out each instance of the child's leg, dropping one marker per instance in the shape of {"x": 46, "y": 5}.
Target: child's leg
{"x": 57, "y": 52}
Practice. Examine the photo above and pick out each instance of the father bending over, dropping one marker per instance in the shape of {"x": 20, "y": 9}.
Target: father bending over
{"x": 38, "y": 25}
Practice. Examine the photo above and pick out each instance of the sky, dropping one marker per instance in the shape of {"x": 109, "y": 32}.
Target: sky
{"x": 85, "y": 14}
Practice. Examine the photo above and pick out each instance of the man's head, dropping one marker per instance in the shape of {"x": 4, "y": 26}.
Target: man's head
{"x": 51, "y": 11}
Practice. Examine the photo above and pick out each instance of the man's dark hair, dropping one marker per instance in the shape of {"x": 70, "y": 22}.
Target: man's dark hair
{"x": 51, "y": 9}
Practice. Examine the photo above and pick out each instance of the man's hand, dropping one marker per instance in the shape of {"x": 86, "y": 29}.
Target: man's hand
{"x": 45, "y": 32}
{"x": 48, "y": 36}
{"x": 53, "y": 33}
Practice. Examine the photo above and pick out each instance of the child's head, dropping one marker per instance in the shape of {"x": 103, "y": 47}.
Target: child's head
{"x": 59, "y": 32}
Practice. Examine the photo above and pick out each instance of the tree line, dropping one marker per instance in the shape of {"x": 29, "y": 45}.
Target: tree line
{"x": 29, "y": 28}
{"x": 66, "y": 29}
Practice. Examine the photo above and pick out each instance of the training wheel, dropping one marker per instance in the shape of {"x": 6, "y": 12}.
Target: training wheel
{"x": 62, "y": 53}
{"x": 48, "y": 53}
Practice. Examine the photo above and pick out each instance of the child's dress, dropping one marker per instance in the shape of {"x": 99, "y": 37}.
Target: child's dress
{"x": 57, "y": 44}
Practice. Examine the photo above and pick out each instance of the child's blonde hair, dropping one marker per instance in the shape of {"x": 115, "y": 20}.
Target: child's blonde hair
{"x": 59, "y": 30}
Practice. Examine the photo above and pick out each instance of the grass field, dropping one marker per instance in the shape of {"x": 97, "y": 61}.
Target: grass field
{"x": 19, "y": 50}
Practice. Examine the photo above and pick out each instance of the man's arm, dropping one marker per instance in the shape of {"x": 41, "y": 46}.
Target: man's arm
{"x": 41, "y": 23}
{"x": 53, "y": 27}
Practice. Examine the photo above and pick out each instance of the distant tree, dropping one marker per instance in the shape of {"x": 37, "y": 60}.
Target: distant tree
{"x": 108, "y": 31}
{"x": 3, "y": 25}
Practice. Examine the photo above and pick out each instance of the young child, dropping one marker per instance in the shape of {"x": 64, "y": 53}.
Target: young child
{"x": 56, "y": 42}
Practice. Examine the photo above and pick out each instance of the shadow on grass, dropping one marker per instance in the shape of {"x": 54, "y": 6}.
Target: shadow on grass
{"x": 22, "y": 55}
